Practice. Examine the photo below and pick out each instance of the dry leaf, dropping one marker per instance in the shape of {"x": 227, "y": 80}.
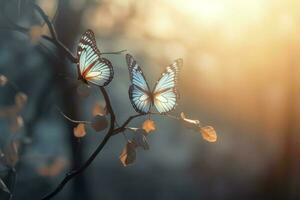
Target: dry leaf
{"x": 209, "y": 134}
{"x": 35, "y": 33}
{"x": 98, "y": 109}
{"x": 190, "y": 123}
{"x": 79, "y": 130}
{"x": 20, "y": 100}
{"x": 128, "y": 154}
{"x": 3, "y": 80}
{"x": 99, "y": 123}
{"x": 140, "y": 139}
{"x": 149, "y": 125}
{"x": 56, "y": 167}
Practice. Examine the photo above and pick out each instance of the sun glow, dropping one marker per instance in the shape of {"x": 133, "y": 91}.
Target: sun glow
{"x": 210, "y": 12}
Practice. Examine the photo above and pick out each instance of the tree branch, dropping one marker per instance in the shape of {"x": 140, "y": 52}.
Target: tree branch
{"x": 47, "y": 21}
{"x": 74, "y": 173}
{"x": 123, "y": 126}
{"x": 112, "y": 131}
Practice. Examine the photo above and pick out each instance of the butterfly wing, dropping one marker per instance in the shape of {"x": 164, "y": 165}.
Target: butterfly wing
{"x": 165, "y": 94}
{"x": 92, "y": 67}
{"x": 139, "y": 92}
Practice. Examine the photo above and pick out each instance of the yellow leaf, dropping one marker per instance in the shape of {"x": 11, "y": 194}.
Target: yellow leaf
{"x": 149, "y": 125}
{"x": 79, "y": 130}
{"x": 209, "y": 134}
{"x": 128, "y": 154}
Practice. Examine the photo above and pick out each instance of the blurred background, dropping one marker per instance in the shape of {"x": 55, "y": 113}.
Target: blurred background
{"x": 240, "y": 75}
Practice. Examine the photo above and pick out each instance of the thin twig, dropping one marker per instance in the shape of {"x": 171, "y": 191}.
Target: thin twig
{"x": 81, "y": 169}
{"x": 112, "y": 131}
{"x": 47, "y": 20}
{"x": 74, "y": 173}
{"x": 123, "y": 127}
{"x": 114, "y": 52}
{"x": 74, "y": 121}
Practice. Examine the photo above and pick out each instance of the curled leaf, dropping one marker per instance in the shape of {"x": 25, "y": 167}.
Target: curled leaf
{"x": 3, "y": 80}
{"x": 20, "y": 100}
{"x": 128, "y": 154}
{"x": 140, "y": 139}
{"x": 79, "y": 130}
{"x": 209, "y": 133}
{"x": 189, "y": 123}
{"x": 99, "y": 123}
{"x": 149, "y": 125}
{"x": 98, "y": 109}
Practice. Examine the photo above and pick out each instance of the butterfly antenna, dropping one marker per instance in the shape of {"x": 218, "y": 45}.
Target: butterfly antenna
{"x": 114, "y": 52}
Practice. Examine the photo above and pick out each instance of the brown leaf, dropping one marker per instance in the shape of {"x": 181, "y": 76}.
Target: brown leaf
{"x": 54, "y": 168}
{"x": 140, "y": 139}
{"x": 99, "y": 123}
{"x": 98, "y": 109}
{"x": 79, "y": 130}
{"x": 128, "y": 154}
{"x": 20, "y": 100}
{"x": 149, "y": 125}
{"x": 209, "y": 134}
{"x": 3, "y": 80}
{"x": 35, "y": 33}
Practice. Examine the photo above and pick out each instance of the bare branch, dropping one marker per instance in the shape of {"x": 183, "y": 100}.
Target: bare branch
{"x": 74, "y": 173}
{"x": 47, "y": 20}
{"x": 123, "y": 127}
{"x": 114, "y": 52}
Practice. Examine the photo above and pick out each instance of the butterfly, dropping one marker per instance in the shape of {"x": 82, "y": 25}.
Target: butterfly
{"x": 91, "y": 67}
{"x": 164, "y": 96}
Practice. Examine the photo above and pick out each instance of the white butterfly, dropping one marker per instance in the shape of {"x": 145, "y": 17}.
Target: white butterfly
{"x": 164, "y": 95}
{"x": 91, "y": 67}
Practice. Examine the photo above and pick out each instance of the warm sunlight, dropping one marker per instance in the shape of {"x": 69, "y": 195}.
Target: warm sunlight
{"x": 210, "y": 12}
{"x": 198, "y": 99}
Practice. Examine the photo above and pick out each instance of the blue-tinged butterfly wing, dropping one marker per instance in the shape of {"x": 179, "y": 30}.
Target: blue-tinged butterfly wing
{"x": 93, "y": 68}
{"x": 139, "y": 92}
{"x": 165, "y": 94}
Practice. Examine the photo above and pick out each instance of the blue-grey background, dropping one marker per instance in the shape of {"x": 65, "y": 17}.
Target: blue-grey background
{"x": 241, "y": 61}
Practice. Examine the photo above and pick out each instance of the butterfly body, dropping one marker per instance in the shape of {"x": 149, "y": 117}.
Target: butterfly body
{"x": 164, "y": 95}
{"x": 91, "y": 67}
